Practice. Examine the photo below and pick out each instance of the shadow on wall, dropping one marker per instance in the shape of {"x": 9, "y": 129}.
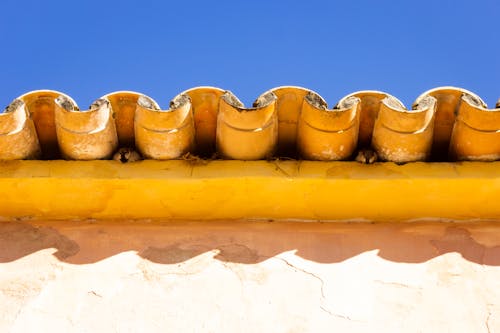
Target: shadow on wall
{"x": 250, "y": 242}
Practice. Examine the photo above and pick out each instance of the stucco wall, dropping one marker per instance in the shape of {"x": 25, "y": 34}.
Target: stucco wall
{"x": 249, "y": 277}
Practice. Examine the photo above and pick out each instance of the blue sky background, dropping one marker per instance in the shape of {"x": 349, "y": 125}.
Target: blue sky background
{"x": 89, "y": 48}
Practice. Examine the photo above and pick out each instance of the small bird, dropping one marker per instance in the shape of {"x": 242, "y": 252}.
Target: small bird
{"x": 127, "y": 154}
{"x": 367, "y": 156}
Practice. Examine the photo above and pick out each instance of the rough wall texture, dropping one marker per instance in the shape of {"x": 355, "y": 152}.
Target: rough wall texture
{"x": 249, "y": 277}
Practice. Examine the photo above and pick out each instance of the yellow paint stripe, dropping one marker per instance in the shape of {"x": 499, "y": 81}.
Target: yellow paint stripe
{"x": 248, "y": 190}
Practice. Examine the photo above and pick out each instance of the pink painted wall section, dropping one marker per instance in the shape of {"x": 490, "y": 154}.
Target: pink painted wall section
{"x": 249, "y": 277}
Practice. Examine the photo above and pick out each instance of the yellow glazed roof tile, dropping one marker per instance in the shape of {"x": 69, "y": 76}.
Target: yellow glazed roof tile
{"x": 444, "y": 124}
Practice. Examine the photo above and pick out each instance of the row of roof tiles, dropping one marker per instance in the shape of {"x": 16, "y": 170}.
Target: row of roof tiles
{"x": 444, "y": 123}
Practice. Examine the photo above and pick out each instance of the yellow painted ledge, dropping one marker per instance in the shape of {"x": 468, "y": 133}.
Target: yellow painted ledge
{"x": 326, "y": 191}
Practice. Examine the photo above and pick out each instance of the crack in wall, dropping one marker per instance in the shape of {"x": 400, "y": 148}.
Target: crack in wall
{"x": 487, "y": 322}
{"x": 397, "y": 284}
{"x": 322, "y": 292}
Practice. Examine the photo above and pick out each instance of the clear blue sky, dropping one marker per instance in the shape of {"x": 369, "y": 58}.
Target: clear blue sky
{"x": 89, "y": 48}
